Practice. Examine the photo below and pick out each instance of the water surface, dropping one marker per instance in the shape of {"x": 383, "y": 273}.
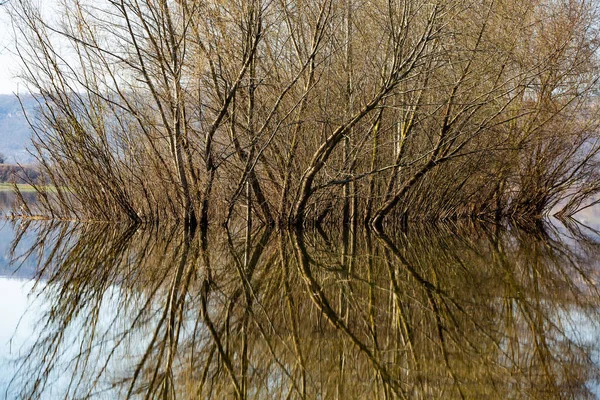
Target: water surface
{"x": 461, "y": 311}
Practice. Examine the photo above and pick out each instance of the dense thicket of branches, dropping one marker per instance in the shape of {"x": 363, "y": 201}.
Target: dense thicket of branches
{"x": 302, "y": 110}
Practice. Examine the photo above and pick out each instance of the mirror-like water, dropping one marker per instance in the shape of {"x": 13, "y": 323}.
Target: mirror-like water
{"x": 96, "y": 311}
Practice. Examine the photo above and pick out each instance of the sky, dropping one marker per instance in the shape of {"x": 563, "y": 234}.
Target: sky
{"x": 9, "y": 62}
{"x": 9, "y": 65}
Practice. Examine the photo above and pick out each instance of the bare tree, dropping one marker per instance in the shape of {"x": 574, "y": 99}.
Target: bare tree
{"x": 306, "y": 111}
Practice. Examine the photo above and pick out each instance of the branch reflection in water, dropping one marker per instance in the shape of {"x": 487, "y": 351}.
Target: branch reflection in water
{"x": 435, "y": 312}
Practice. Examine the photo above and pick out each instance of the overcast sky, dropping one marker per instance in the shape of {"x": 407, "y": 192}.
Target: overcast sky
{"x": 9, "y": 65}
{"x": 9, "y": 62}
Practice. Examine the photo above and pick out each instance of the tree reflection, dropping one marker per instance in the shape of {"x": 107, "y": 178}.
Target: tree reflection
{"x": 435, "y": 312}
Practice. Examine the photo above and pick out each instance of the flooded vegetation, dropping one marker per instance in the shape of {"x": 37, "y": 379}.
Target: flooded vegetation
{"x": 158, "y": 111}
{"x": 11, "y": 203}
{"x": 433, "y": 312}
{"x": 311, "y": 199}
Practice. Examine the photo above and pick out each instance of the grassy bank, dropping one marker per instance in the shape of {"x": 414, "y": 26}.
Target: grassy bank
{"x": 23, "y": 187}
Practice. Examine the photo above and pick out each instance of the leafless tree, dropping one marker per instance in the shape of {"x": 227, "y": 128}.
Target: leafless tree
{"x": 310, "y": 111}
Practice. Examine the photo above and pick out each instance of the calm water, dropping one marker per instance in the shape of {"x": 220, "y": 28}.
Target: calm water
{"x": 435, "y": 312}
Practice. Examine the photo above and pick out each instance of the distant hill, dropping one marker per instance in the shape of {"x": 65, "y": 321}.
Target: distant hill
{"x": 19, "y": 174}
{"x": 15, "y": 132}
